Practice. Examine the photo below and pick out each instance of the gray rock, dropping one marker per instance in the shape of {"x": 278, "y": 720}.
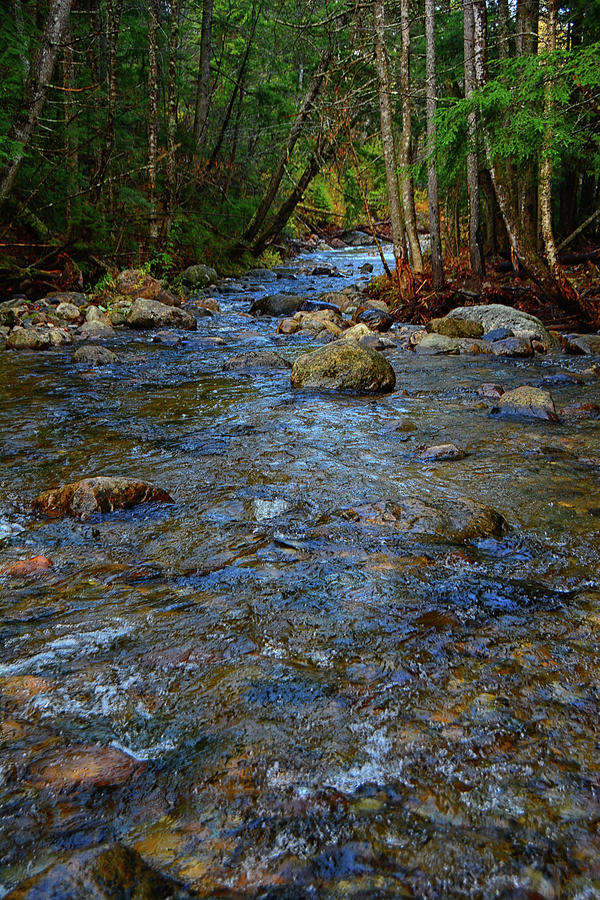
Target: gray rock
{"x": 256, "y": 359}
{"x": 582, "y": 344}
{"x": 68, "y": 311}
{"x": 153, "y": 314}
{"x": 94, "y": 314}
{"x": 95, "y": 331}
{"x": 73, "y": 297}
{"x": 498, "y": 334}
{"x": 437, "y": 345}
{"x": 496, "y": 315}
{"x": 455, "y": 327}
{"x": 199, "y": 276}
{"x": 526, "y": 402}
{"x": 95, "y": 356}
{"x": 277, "y": 305}
{"x": 512, "y": 347}
{"x": 584, "y": 410}
{"x": 343, "y": 366}
{"x": 28, "y": 339}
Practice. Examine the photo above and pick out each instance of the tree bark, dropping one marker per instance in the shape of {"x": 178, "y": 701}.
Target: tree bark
{"x": 304, "y": 112}
{"x": 473, "y": 186}
{"x": 36, "y": 89}
{"x": 71, "y": 155}
{"x": 437, "y": 265}
{"x": 203, "y": 92}
{"x": 387, "y": 133}
{"x": 503, "y": 29}
{"x": 405, "y": 154}
{"x": 113, "y": 22}
{"x": 546, "y": 160}
{"x": 171, "y": 182}
{"x": 153, "y": 88}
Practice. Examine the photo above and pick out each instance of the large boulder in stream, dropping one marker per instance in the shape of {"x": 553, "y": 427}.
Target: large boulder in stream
{"x": 101, "y": 494}
{"x": 107, "y": 872}
{"x": 153, "y": 314}
{"x": 343, "y": 366}
{"x": 497, "y": 316}
{"x": 456, "y": 521}
{"x": 526, "y": 402}
{"x": 277, "y": 305}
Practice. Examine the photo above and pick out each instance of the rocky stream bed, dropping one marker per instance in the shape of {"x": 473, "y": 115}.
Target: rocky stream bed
{"x": 297, "y": 638}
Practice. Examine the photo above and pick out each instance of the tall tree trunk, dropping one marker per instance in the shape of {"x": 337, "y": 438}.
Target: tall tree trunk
{"x": 546, "y": 161}
{"x": 71, "y": 155}
{"x": 503, "y": 29}
{"x": 304, "y": 113}
{"x": 437, "y": 265}
{"x": 153, "y": 88}
{"x": 527, "y": 27}
{"x": 172, "y": 116}
{"x": 387, "y": 134}
{"x": 103, "y": 177}
{"x": 20, "y": 25}
{"x": 405, "y": 154}
{"x": 475, "y": 238}
{"x": 203, "y": 92}
{"x": 521, "y": 241}
{"x": 36, "y": 89}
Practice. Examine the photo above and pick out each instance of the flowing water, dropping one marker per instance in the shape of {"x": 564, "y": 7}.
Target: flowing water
{"x": 320, "y": 708}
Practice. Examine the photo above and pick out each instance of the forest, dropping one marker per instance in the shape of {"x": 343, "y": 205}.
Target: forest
{"x": 167, "y": 133}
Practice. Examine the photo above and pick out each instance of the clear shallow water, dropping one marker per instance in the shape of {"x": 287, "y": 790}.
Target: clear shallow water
{"x": 323, "y": 708}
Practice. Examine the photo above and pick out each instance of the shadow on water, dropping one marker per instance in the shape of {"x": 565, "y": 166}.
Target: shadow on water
{"x": 310, "y": 705}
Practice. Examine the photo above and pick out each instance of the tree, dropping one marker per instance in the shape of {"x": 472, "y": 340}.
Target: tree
{"x": 406, "y": 181}
{"x": 437, "y": 265}
{"x": 475, "y": 239}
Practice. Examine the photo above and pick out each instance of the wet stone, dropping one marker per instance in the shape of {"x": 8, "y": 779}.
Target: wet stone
{"x": 277, "y": 305}
{"x": 101, "y": 494}
{"x": 83, "y": 767}
{"x": 376, "y": 319}
{"x": 441, "y": 452}
{"x": 455, "y": 327}
{"x": 527, "y": 402}
{"x": 581, "y": 411}
{"x": 581, "y": 344}
{"x": 513, "y": 347}
{"x": 437, "y": 345}
{"x": 343, "y": 366}
{"x": 490, "y": 391}
{"x": 154, "y": 314}
{"x": 256, "y": 359}
{"x": 95, "y": 356}
{"x": 107, "y": 872}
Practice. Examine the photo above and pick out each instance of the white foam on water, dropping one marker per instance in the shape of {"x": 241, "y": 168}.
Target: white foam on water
{"x": 77, "y": 644}
{"x": 8, "y": 529}
{"x": 144, "y": 754}
{"x": 268, "y": 509}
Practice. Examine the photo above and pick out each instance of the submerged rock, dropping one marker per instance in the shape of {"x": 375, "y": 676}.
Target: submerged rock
{"x": 584, "y": 410}
{"x": 95, "y": 356}
{"x": 496, "y": 315}
{"x": 526, "y": 401}
{"x": 256, "y": 359}
{"x": 154, "y": 314}
{"x": 37, "y": 565}
{"x": 442, "y": 452}
{"x": 101, "y": 494}
{"x": 456, "y": 521}
{"x": 343, "y": 366}
{"x": 107, "y": 872}
{"x": 84, "y": 766}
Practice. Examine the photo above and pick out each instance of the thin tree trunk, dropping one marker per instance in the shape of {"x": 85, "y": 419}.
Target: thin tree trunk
{"x": 172, "y": 116}
{"x": 473, "y": 187}
{"x": 437, "y": 265}
{"x": 322, "y": 152}
{"x": 278, "y": 172}
{"x": 546, "y": 161}
{"x": 36, "y": 89}
{"x": 405, "y": 154}
{"x": 113, "y": 21}
{"x": 387, "y": 134}
{"x": 71, "y": 155}
{"x": 20, "y": 24}
{"x": 521, "y": 242}
{"x": 203, "y": 92}
{"x": 153, "y": 88}
{"x": 503, "y": 29}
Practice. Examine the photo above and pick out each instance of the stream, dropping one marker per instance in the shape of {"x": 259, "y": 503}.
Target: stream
{"x": 312, "y": 706}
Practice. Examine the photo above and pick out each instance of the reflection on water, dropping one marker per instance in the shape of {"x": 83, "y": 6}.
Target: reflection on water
{"x": 318, "y": 703}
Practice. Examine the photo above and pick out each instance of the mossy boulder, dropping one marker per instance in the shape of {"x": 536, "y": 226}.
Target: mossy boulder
{"x": 343, "y": 366}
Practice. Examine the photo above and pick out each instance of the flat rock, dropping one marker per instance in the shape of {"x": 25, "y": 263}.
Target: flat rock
{"x": 496, "y": 315}
{"x": 455, "y": 521}
{"x": 147, "y": 314}
{"x": 256, "y": 359}
{"x": 582, "y": 410}
{"x": 581, "y": 344}
{"x": 107, "y": 872}
{"x": 101, "y": 494}
{"x": 441, "y": 452}
{"x": 528, "y": 402}
{"x": 84, "y": 766}
{"x": 455, "y": 327}
{"x": 343, "y": 366}
{"x": 277, "y": 305}
{"x": 134, "y": 283}
{"x": 95, "y": 356}
{"x": 437, "y": 345}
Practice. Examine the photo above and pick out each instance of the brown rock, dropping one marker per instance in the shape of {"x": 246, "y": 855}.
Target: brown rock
{"x": 491, "y": 391}
{"x": 35, "y": 566}
{"x": 581, "y": 411}
{"x": 134, "y": 283}
{"x": 101, "y": 494}
{"x": 288, "y": 326}
{"x": 84, "y": 766}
